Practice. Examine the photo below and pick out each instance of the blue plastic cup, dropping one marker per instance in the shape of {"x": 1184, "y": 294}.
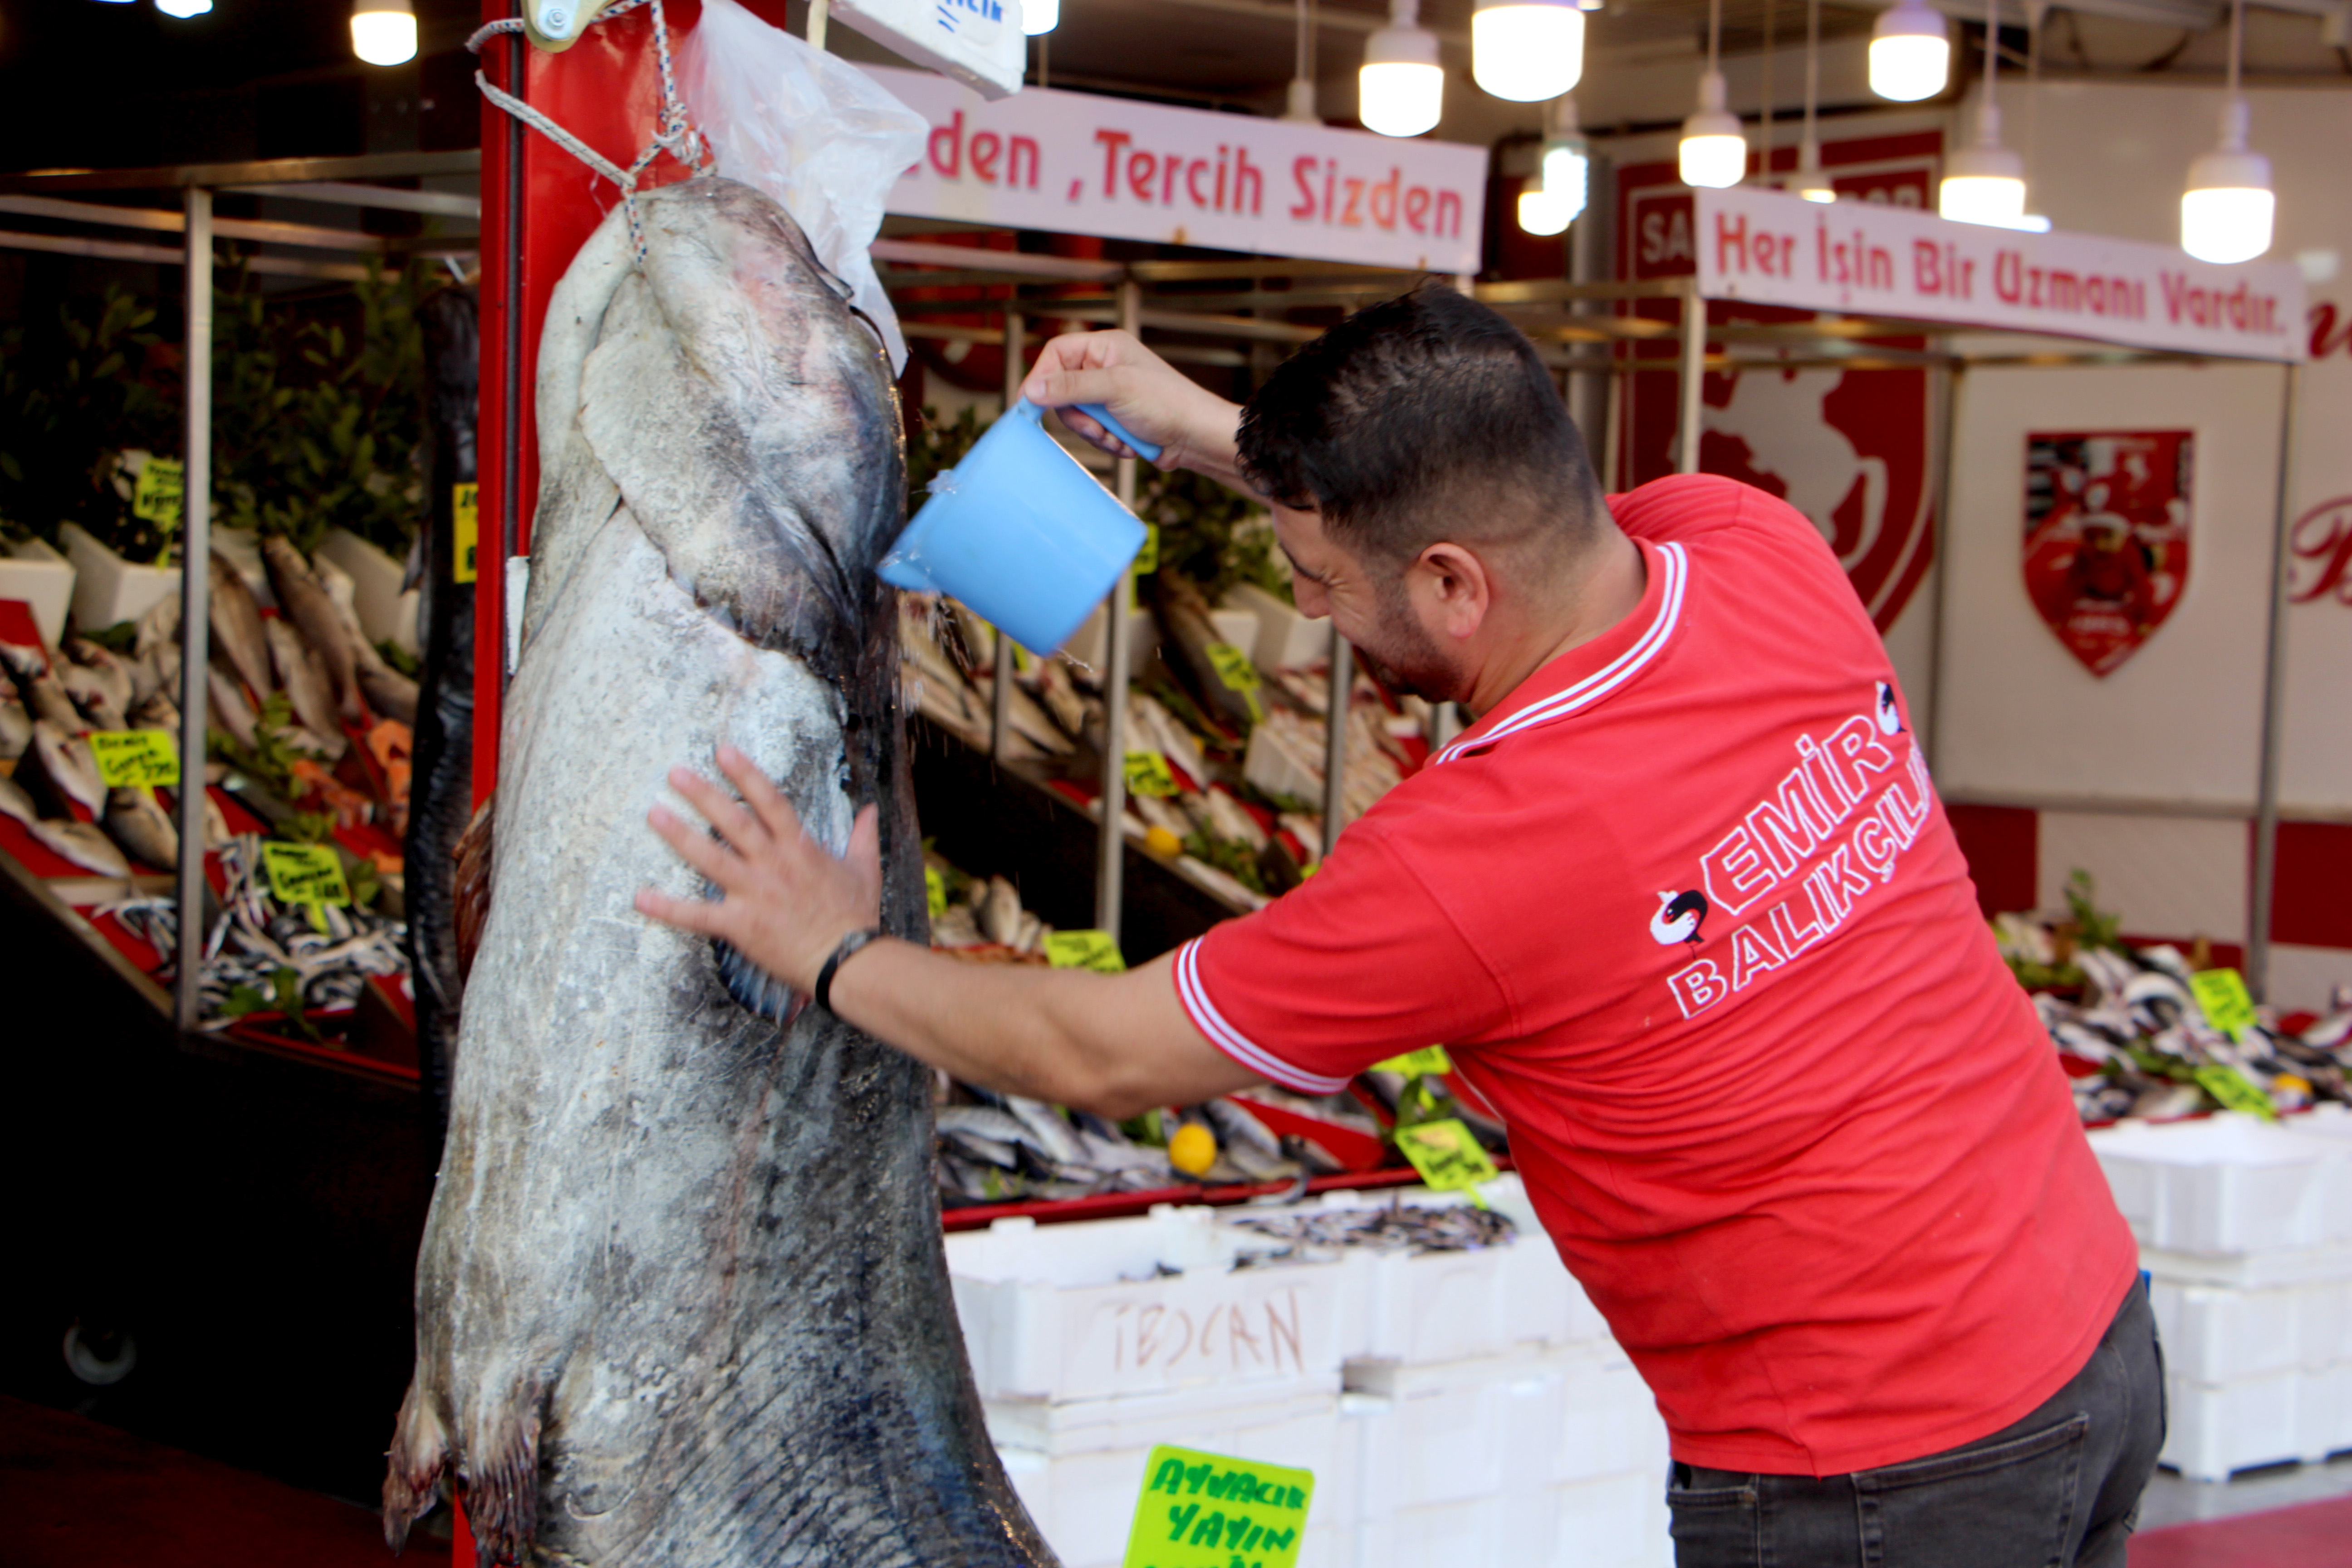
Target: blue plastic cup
{"x": 1020, "y": 532}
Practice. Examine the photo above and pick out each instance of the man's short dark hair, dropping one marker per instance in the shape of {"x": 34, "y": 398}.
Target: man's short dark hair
{"x": 1423, "y": 417}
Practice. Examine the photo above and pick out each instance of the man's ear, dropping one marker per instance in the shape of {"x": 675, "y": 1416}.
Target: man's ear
{"x": 1454, "y": 588}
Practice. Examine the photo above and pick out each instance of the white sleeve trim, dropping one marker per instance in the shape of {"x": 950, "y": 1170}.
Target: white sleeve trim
{"x": 1195, "y": 998}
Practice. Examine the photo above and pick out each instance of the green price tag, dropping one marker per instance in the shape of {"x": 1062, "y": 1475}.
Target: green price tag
{"x": 1236, "y": 673}
{"x": 1094, "y": 949}
{"x": 161, "y": 490}
{"x": 935, "y": 892}
{"x": 2235, "y": 1090}
{"x": 1147, "y": 774}
{"x": 1147, "y": 560}
{"x": 466, "y": 530}
{"x": 305, "y": 873}
{"x": 1447, "y": 1157}
{"x": 1418, "y": 1064}
{"x": 2222, "y": 993}
{"x": 134, "y": 759}
{"x": 1205, "y": 1510}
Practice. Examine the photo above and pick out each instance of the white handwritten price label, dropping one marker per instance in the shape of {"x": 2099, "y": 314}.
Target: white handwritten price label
{"x": 1095, "y": 950}
{"x": 134, "y": 759}
{"x": 1448, "y": 1158}
{"x": 1205, "y": 1510}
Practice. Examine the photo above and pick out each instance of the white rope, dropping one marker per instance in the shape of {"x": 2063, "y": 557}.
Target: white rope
{"x": 677, "y": 135}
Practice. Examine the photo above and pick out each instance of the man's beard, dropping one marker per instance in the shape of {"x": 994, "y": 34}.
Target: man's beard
{"x": 1406, "y": 658}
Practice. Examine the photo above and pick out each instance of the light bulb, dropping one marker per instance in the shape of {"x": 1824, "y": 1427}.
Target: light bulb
{"x": 2227, "y": 212}
{"x": 1541, "y": 213}
{"x": 1910, "y": 53}
{"x": 1713, "y": 151}
{"x": 1040, "y": 15}
{"x": 384, "y": 32}
{"x": 1400, "y": 91}
{"x": 1300, "y": 110}
{"x": 183, "y": 8}
{"x": 1568, "y": 175}
{"x": 1810, "y": 182}
{"x": 1527, "y": 51}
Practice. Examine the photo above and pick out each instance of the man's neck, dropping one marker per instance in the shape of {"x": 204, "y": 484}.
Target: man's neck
{"x": 1609, "y": 590}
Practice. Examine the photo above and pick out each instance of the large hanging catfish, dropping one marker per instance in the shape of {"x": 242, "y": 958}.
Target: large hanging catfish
{"x": 682, "y": 1299}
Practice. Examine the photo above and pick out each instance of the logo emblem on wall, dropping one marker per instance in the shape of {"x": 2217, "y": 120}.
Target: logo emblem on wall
{"x": 2107, "y": 537}
{"x": 1849, "y": 448}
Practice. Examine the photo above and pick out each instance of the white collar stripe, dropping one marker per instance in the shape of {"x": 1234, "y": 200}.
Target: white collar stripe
{"x": 1603, "y": 681}
{"x": 1232, "y": 1041}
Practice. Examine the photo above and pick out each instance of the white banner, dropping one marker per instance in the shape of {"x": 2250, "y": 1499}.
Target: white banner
{"x": 1074, "y": 162}
{"x": 1775, "y": 249}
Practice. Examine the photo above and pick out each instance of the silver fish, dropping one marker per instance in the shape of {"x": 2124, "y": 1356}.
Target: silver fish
{"x": 155, "y": 712}
{"x": 83, "y": 845}
{"x": 112, "y": 672}
{"x": 229, "y": 709}
{"x": 682, "y": 1298}
{"x": 236, "y": 616}
{"x": 155, "y": 656}
{"x": 15, "y": 803}
{"x": 46, "y": 698}
{"x": 62, "y": 764}
{"x": 306, "y": 685}
{"x": 1044, "y": 1130}
{"x": 388, "y": 693}
{"x": 92, "y": 694}
{"x": 16, "y": 729}
{"x": 305, "y": 599}
{"x": 137, "y": 822}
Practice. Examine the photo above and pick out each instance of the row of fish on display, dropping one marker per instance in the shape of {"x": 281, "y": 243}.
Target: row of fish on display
{"x": 297, "y": 691}
{"x": 1238, "y": 809}
{"x": 2135, "y": 1036}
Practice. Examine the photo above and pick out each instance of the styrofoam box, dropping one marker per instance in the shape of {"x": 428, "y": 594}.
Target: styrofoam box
{"x": 385, "y": 612}
{"x": 1503, "y": 1427}
{"x": 2214, "y": 1334}
{"x": 1456, "y": 1306}
{"x": 2250, "y": 1271}
{"x": 2228, "y": 1184}
{"x": 1282, "y": 638}
{"x": 1088, "y": 647}
{"x": 1084, "y": 1310}
{"x": 43, "y": 579}
{"x": 1079, "y": 1466}
{"x": 107, "y": 588}
{"x": 1615, "y": 1521}
{"x": 2215, "y": 1428}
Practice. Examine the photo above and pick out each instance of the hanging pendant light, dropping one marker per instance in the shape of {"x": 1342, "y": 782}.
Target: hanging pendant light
{"x": 1713, "y": 152}
{"x": 1300, "y": 108}
{"x": 1040, "y": 17}
{"x": 2229, "y": 208}
{"x": 184, "y": 9}
{"x": 1810, "y": 182}
{"x": 384, "y": 32}
{"x": 1527, "y": 51}
{"x": 1910, "y": 53}
{"x": 1400, "y": 91}
{"x": 1557, "y": 196}
{"x": 1985, "y": 184}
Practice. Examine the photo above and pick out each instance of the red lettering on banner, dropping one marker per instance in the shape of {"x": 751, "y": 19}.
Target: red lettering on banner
{"x": 1249, "y": 183}
{"x": 1193, "y": 173}
{"x": 2009, "y": 276}
{"x": 984, "y": 150}
{"x": 1387, "y": 188}
{"x": 1015, "y": 147}
{"x": 2322, "y": 322}
{"x": 1446, "y": 229}
{"x": 2240, "y": 309}
{"x": 952, "y": 166}
{"x": 1112, "y": 142}
{"x": 1727, "y": 239}
{"x": 1302, "y": 170}
{"x": 1416, "y": 209}
{"x": 1350, "y": 216}
{"x": 1140, "y": 169}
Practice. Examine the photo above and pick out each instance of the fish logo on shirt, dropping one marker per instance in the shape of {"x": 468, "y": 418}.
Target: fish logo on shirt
{"x": 1890, "y": 717}
{"x": 1678, "y": 918}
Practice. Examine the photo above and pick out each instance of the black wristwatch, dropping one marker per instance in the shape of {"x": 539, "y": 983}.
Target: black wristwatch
{"x": 822, "y": 993}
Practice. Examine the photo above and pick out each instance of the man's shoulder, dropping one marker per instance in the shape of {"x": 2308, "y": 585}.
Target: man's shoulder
{"x": 1683, "y": 506}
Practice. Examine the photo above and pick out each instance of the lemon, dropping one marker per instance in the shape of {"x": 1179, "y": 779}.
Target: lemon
{"x": 1194, "y": 1149}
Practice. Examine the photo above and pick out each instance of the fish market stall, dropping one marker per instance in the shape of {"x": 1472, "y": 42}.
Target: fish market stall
{"x": 287, "y": 674}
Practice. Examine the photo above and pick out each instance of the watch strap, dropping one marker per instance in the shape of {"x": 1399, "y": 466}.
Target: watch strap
{"x": 823, "y": 993}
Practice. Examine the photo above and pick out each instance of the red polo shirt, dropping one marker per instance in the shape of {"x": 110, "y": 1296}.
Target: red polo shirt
{"x": 1686, "y": 908}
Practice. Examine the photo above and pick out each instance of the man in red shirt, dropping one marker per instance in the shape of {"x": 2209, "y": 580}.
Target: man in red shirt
{"x": 1683, "y": 906}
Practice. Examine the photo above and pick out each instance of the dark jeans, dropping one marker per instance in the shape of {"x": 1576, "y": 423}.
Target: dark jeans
{"x": 2058, "y": 1489}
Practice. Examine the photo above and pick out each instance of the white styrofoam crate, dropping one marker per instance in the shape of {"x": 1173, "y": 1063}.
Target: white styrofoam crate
{"x": 1613, "y": 1522}
{"x": 1503, "y": 1427}
{"x": 1281, "y": 638}
{"x": 2250, "y": 1271}
{"x": 108, "y": 589}
{"x": 2228, "y": 1184}
{"x": 1079, "y": 1466}
{"x": 31, "y": 571}
{"x": 1084, "y": 1310}
{"x": 386, "y": 611}
{"x": 2214, "y": 1428}
{"x": 2214, "y": 1334}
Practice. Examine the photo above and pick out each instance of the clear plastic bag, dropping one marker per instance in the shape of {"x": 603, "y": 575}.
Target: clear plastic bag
{"x": 810, "y": 130}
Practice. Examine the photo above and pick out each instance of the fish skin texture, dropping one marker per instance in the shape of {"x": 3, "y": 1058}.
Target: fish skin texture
{"x": 682, "y": 1298}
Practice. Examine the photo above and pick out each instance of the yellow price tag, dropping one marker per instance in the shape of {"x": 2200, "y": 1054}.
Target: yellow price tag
{"x": 1421, "y": 1063}
{"x": 935, "y": 892}
{"x": 305, "y": 873}
{"x": 162, "y": 492}
{"x": 1147, "y": 560}
{"x": 1095, "y": 950}
{"x": 1447, "y": 1157}
{"x": 134, "y": 759}
{"x": 466, "y": 530}
{"x": 2234, "y": 1090}
{"x": 1147, "y": 774}
{"x": 1236, "y": 673}
{"x": 1205, "y": 1510}
{"x": 2222, "y": 994}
